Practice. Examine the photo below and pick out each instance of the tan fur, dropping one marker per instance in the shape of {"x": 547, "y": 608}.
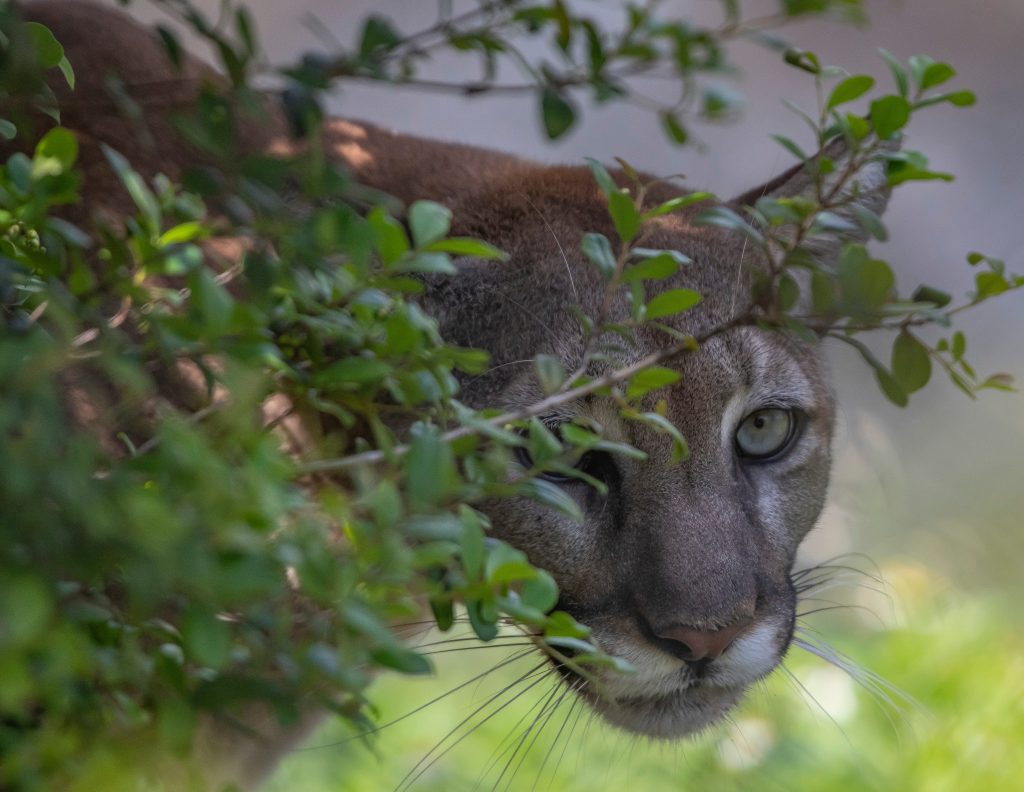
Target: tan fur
{"x": 700, "y": 544}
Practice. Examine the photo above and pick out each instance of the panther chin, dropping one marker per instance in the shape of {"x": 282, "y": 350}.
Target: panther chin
{"x": 665, "y": 698}
{"x": 684, "y": 713}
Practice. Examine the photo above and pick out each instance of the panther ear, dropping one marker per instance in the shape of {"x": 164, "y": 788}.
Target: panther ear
{"x": 869, "y": 190}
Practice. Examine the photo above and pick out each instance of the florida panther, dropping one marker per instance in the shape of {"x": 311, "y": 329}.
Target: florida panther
{"x": 682, "y": 568}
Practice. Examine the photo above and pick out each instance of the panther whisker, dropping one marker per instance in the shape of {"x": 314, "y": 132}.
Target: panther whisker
{"x": 566, "y": 693}
{"x": 840, "y": 606}
{"x": 882, "y": 690}
{"x": 505, "y": 744}
{"x": 499, "y": 366}
{"x": 554, "y": 236}
{"x": 579, "y": 707}
{"x": 833, "y": 563}
{"x": 832, "y": 572}
{"x": 420, "y": 768}
{"x": 541, "y": 720}
{"x": 478, "y": 647}
{"x": 803, "y": 688}
{"x": 570, "y": 690}
{"x": 457, "y": 688}
{"x": 827, "y": 584}
{"x": 468, "y": 639}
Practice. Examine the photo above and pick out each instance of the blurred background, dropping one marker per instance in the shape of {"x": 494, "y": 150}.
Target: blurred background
{"x": 929, "y": 500}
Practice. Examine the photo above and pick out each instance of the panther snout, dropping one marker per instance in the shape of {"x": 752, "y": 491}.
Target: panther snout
{"x": 693, "y": 644}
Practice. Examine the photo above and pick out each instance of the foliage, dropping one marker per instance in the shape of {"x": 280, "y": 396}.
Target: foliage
{"x": 177, "y": 556}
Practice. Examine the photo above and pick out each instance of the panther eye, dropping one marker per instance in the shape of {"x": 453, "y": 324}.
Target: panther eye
{"x": 765, "y": 434}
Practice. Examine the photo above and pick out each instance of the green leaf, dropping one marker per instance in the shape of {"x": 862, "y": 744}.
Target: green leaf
{"x": 429, "y": 222}
{"x": 850, "y": 89}
{"x": 870, "y": 222}
{"x": 801, "y": 59}
{"x": 578, "y": 436}
{"x": 484, "y": 627}
{"x": 676, "y": 204}
{"x": 858, "y": 127}
{"x": 7, "y": 129}
{"x": 400, "y": 659}
{"x": 183, "y": 232}
{"x": 889, "y": 115}
{"x": 918, "y": 65}
{"x": 674, "y": 129}
{"x": 55, "y": 153}
{"x": 864, "y": 283}
{"x": 962, "y": 98}
{"x": 886, "y": 381}
{"x": 471, "y": 544}
{"x": 378, "y": 35}
{"x": 48, "y": 49}
{"x": 989, "y": 284}
{"x": 511, "y": 604}
{"x": 719, "y": 101}
{"x": 141, "y": 194}
{"x": 557, "y": 113}
{"x": 391, "y": 240}
{"x": 561, "y": 625}
{"x": 890, "y": 386}
{"x": 662, "y": 265}
{"x": 830, "y": 221}
{"x": 429, "y": 466}
{"x": 211, "y": 302}
{"x": 724, "y": 217}
{"x": 69, "y": 73}
{"x": 822, "y": 292}
{"x": 552, "y": 495}
{"x": 244, "y": 25}
{"x": 550, "y": 373}
{"x": 1003, "y": 382}
{"x": 357, "y": 370}
{"x": 789, "y": 291}
{"x": 602, "y": 177}
{"x": 651, "y": 379}
{"x": 899, "y": 72}
{"x": 624, "y": 214}
{"x": 27, "y": 602}
{"x": 207, "y": 639}
{"x": 911, "y": 363}
{"x": 540, "y": 592}
{"x": 791, "y": 147}
{"x": 574, "y": 644}
{"x": 506, "y": 564}
{"x": 675, "y": 255}
{"x": 958, "y": 345}
{"x": 172, "y": 47}
{"x": 543, "y": 445}
{"x": 672, "y": 302}
{"x": 465, "y": 246}
{"x": 680, "y": 448}
{"x": 929, "y": 294}
{"x": 936, "y": 74}
{"x": 598, "y": 249}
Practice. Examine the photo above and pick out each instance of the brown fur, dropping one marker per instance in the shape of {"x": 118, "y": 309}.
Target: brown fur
{"x": 700, "y": 544}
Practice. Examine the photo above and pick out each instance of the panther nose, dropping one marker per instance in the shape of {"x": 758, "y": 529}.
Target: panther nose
{"x": 693, "y": 644}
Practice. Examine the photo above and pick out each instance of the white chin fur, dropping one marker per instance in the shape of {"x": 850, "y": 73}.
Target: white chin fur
{"x": 662, "y": 699}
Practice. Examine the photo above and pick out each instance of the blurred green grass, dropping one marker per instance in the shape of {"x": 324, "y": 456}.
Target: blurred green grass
{"x": 958, "y": 654}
